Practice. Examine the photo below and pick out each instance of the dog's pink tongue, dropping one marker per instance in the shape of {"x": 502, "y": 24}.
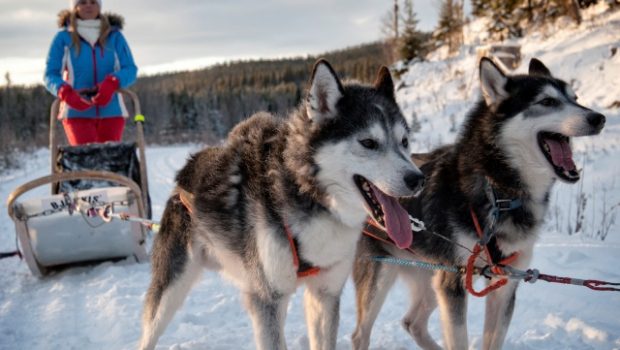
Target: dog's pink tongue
{"x": 561, "y": 154}
{"x": 396, "y": 220}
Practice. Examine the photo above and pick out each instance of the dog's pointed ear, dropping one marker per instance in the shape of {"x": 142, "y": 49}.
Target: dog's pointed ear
{"x": 325, "y": 92}
{"x": 384, "y": 83}
{"x": 492, "y": 82}
{"x": 538, "y": 68}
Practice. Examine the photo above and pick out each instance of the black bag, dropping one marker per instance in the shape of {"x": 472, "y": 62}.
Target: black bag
{"x": 117, "y": 157}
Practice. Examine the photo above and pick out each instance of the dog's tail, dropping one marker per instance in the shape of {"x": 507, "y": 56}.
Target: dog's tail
{"x": 173, "y": 271}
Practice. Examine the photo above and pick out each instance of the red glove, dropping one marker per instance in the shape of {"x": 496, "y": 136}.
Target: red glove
{"x": 106, "y": 90}
{"x": 73, "y": 99}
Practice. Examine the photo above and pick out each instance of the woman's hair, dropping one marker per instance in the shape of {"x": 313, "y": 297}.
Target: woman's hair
{"x": 75, "y": 37}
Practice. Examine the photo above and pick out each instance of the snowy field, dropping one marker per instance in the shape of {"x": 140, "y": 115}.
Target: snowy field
{"x": 100, "y": 307}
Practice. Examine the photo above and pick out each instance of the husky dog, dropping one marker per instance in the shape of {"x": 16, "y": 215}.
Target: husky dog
{"x": 283, "y": 202}
{"x": 516, "y": 141}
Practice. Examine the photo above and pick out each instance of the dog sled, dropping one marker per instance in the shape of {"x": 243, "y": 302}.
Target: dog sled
{"x": 90, "y": 184}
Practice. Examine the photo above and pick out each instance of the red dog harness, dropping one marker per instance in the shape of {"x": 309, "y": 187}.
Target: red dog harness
{"x": 304, "y": 268}
{"x": 496, "y": 268}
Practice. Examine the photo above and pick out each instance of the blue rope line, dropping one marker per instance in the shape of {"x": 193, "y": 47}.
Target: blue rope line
{"x": 415, "y": 263}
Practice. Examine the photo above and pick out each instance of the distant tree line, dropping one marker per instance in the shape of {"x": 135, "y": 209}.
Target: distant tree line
{"x": 206, "y": 104}
{"x": 196, "y": 106}
{"x": 24, "y": 120}
{"x": 203, "y": 105}
{"x": 402, "y": 40}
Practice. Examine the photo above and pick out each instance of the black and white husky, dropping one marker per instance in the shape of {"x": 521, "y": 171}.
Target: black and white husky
{"x": 516, "y": 141}
{"x": 283, "y": 202}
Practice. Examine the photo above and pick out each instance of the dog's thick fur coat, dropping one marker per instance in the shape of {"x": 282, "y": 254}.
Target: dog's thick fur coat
{"x": 517, "y": 139}
{"x": 277, "y": 176}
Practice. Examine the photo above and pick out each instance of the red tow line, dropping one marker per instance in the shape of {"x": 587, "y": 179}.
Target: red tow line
{"x": 497, "y": 269}
{"x": 592, "y": 284}
{"x": 503, "y": 269}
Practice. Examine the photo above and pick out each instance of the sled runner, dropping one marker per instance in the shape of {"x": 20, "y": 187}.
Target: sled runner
{"x": 72, "y": 225}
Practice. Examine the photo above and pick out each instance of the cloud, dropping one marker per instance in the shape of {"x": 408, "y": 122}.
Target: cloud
{"x": 161, "y": 32}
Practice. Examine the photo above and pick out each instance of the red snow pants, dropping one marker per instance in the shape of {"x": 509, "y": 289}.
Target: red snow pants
{"x": 80, "y": 131}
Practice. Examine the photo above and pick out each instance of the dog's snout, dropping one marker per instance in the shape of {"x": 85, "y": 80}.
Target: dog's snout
{"x": 596, "y": 120}
{"x": 414, "y": 180}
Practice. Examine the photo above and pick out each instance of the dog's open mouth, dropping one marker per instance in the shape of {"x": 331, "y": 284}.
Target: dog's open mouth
{"x": 556, "y": 148}
{"x": 386, "y": 212}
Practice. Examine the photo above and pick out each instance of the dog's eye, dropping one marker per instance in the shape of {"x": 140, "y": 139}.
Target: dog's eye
{"x": 405, "y": 142}
{"x": 549, "y": 102}
{"x": 369, "y": 143}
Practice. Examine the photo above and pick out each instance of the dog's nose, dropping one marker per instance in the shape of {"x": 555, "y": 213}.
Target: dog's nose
{"x": 414, "y": 180}
{"x": 597, "y": 120}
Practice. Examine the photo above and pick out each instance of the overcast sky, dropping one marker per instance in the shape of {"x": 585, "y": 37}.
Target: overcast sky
{"x": 189, "y": 34}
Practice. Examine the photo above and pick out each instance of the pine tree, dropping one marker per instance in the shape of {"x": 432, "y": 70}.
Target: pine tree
{"x": 450, "y": 27}
{"x": 480, "y": 8}
{"x": 389, "y": 29}
{"x": 509, "y": 18}
{"x": 411, "y": 41}
{"x": 506, "y": 16}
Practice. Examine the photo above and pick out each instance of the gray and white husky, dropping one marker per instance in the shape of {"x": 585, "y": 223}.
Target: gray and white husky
{"x": 283, "y": 202}
{"x": 516, "y": 142}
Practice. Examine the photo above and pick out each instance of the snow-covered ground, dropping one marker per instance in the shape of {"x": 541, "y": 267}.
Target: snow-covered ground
{"x": 99, "y": 307}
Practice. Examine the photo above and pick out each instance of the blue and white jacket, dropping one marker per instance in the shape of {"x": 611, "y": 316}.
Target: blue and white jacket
{"x": 90, "y": 67}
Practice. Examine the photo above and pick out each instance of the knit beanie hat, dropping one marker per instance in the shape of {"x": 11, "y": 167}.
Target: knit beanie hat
{"x": 73, "y": 3}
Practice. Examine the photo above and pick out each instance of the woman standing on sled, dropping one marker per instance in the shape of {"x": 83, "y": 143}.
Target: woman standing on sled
{"x": 88, "y": 61}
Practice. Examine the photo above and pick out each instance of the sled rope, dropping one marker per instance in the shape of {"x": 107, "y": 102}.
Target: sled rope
{"x": 16, "y": 252}
{"x": 501, "y": 269}
{"x": 186, "y": 198}
{"x": 496, "y": 268}
{"x": 107, "y": 214}
{"x": 484, "y": 237}
{"x": 533, "y": 275}
{"x": 530, "y": 275}
{"x": 374, "y": 231}
{"x": 103, "y": 210}
{"x": 416, "y": 263}
{"x": 5, "y": 255}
